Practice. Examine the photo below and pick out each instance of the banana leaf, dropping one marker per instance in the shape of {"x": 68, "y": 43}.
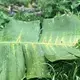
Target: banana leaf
{"x": 22, "y": 48}
{"x": 60, "y": 36}
{"x": 18, "y": 35}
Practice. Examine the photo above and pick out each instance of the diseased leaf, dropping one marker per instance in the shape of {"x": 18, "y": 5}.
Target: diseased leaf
{"x": 59, "y": 36}
{"x": 22, "y": 47}
{"x": 35, "y": 61}
{"x": 19, "y": 39}
{"x": 11, "y": 61}
{"x": 21, "y": 31}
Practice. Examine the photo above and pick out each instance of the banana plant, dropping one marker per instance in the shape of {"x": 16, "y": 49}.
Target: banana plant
{"x": 24, "y": 48}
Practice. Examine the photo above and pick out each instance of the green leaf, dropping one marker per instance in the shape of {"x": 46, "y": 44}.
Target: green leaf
{"x": 59, "y": 36}
{"x": 35, "y": 62}
{"x": 11, "y": 62}
{"x": 20, "y": 39}
{"x": 21, "y": 46}
{"x": 21, "y": 31}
